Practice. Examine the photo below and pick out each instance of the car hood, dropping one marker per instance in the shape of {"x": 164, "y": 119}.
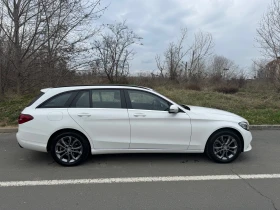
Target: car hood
{"x": 215, "y": 114}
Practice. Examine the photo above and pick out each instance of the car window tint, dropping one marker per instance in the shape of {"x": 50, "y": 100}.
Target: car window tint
{"x": 106, "y": 98}
{"x": 96, "y": 96}
{"x": 36, "y": 98}
{"x": 148, "y": 101}
{"x": 82, "y": 100}
{"x": 58, "y": 101}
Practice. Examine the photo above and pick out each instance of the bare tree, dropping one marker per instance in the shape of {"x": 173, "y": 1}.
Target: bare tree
{"x": 200, "y": 50}
{"x": 268, "y": 39}
{"x": 223, "y": 68}
{"x": 160, "y": 66}
{"x": 174, "y": 56}
{"x": 179, "y": 58}
{"x": 268, "y": 32}
{"x": 44, "y": 29}
{"x": 5, "y": 56}
{"x": 2, "y": 59}
{"x": 67, "y": 30}
{"x": 259, "y": 68}
{"x": 113, "y": 51}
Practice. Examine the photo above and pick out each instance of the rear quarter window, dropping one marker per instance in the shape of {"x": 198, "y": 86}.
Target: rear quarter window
{"x": 59, "y": 101}
{"x": 36, "y": 98}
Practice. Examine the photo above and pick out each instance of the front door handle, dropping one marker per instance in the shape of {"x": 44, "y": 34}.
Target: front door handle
{"x": 139, "y": 115}
{"x": 84, "y": 115}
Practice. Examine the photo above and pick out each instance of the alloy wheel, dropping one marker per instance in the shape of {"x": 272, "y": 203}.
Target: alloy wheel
{"x": 69, "y": 149}
{"x": 225, "y": 147}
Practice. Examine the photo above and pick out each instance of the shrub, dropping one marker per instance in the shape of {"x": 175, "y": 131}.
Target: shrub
{"x": 122, "y": 80}
{"x": 240, "y": 81}
{"x": 227, "y": 89}
{"x": 193, "y": 86}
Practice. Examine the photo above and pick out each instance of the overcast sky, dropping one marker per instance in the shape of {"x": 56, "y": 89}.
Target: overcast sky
{"x": 232, "y": 23}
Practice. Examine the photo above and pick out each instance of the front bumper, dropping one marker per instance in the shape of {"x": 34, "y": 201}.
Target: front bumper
{"x": 249, "y": 148}
{"x": 247, "y": 137}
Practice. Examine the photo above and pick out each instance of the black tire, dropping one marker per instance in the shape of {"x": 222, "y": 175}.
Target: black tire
{"x": 80, "y": 142}
{"x": 228, "y": 154}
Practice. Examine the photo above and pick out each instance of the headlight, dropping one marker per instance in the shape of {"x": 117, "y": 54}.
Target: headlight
{"x": 244, "y": 125}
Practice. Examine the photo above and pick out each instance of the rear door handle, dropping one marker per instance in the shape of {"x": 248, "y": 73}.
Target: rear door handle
{"x": 139, "y": 115}
{"x": 84, "y": 115}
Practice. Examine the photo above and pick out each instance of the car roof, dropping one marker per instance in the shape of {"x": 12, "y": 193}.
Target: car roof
{"x": 50, "y": 92}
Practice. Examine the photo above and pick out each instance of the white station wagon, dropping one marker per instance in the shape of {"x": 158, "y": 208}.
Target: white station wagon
{"x": 72, "y": 122}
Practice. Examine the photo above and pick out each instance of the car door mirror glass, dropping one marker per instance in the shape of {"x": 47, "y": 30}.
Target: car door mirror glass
{"x": 173, "y": 109}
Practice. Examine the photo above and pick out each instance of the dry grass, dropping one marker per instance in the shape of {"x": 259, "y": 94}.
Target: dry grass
{"x": 256, "y": 102}
{"x": 231, "y": 89}
{"x": 10, "y": 108}
{"x": 195, "y": 87}
{"x": 256, "y": 107}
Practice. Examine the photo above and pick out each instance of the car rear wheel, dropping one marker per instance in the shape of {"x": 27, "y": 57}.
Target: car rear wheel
{"x": 224, "y": 146}
{"x": 70, "y": 149}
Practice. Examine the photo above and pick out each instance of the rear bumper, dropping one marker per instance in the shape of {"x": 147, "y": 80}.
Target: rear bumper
{"x": 27, "y": 144}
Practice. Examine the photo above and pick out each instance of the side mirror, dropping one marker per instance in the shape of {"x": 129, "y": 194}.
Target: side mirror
{"x": 173, "y": 109}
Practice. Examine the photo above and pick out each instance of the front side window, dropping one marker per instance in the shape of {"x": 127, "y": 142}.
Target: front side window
{"x": 147, "y": 101}
{"x": 106, "y": 99}
{"x": 58, "y": 101}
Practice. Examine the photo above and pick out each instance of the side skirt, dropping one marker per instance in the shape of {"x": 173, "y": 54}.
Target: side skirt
{"x": 125, "y": 151}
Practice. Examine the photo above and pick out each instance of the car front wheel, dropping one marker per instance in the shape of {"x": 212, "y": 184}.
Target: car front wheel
{"x": 69, "y": 149}
{"x": 224, "y": 146}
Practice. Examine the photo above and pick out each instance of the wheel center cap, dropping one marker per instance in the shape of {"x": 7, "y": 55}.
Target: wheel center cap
{"x": 225, "y": 147}
{"x": 68, "y": 149}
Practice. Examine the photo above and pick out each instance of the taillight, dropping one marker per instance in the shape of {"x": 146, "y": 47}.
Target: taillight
{"x": 23, "y": 118}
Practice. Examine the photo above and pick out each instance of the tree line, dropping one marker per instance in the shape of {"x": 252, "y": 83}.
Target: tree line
{"x": 46, "y": 43}
{"x": 39, "y": 38}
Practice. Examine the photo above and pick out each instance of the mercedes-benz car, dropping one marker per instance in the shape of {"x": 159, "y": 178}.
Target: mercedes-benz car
{"x": 73, "y": 122}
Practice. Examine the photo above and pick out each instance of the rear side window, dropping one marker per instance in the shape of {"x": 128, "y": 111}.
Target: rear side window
{"x": 82, "y": 100}
{"x": 106, "y": 99}
{"x": 58, "y": 101}
{"x": 36, "y": 98}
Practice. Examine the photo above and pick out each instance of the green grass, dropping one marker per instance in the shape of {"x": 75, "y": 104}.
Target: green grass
{"x": 258, "y": 107}
{"x": 11, "y": 107}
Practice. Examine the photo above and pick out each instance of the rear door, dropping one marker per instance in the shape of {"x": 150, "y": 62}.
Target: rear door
{"x": 152, "y": 126}
{"x": 102, "y": 113}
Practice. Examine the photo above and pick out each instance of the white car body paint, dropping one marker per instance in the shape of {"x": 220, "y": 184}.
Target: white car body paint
{"x": 55, "y": 116}
{"x": 107, "y": 131}
{"x": 159, "y": 130}
{"x": 128, "y": 130}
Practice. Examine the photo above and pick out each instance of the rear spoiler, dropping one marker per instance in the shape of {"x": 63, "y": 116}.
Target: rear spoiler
{"x": 45, "y": 90}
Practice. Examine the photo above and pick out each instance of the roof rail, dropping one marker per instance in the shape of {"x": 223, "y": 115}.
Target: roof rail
{"x": 122, "y": 85}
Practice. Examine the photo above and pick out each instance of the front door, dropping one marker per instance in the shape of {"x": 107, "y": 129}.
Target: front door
{"x": 152, "y": 126}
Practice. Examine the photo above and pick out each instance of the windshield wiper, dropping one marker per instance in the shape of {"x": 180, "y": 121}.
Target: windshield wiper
{"x": 185, "y": 106}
